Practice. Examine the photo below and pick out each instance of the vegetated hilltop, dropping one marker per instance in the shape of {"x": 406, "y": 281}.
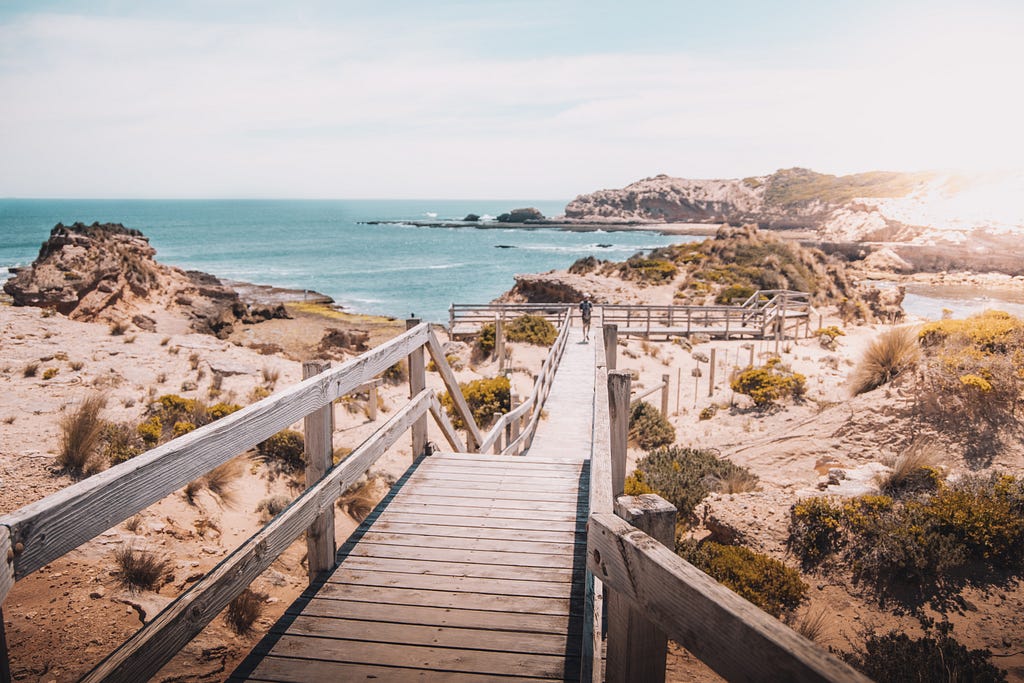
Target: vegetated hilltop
{"x": 876, "y": 206}
{"x": 726, "y": 269}
{"x": 106, "y": 272}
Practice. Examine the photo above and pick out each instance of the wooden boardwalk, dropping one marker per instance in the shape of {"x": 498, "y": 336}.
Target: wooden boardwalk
{"x": 568, "y": 430}
{"x": 471, "y": 569}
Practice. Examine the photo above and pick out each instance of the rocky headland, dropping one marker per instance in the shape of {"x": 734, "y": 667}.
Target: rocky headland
{"x": 921, "y": 208}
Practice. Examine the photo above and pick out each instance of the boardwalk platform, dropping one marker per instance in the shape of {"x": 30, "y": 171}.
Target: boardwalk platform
{"x": 470, "y": 569}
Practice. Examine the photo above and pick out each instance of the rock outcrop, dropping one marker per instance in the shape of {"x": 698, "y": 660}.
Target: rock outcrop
{"x": 923, "y": 208}
{"x": 107, "y": 272}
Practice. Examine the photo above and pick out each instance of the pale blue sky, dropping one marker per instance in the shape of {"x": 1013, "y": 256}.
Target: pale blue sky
{"x": 517, "y": 99}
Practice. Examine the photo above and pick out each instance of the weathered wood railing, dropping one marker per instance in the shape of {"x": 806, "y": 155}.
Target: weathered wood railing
{"x": 755, "y": 317}
{"x": 519, "y": 435}
{"x": 465, "y": 319}
{"x": 45, "y": 530}
{"x": 646, "y": 587}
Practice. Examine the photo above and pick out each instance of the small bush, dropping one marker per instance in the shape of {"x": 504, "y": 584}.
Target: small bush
{"x": 767, "y": 385}
{"x": 760, "y": 579}
{"x": 681, "y": 475}
{"x": 708, "y": 413}
{"x": 890, "y": 354}
{"x": 531, "y": 329}
{"x": 268, "y": 508}
{"x": 735, "y": 293}
{"x": 77, "y": 365}
{"x": 648, "y": 427}
{"x": 140, "y": 569}
{"x": 50, "y": 373}
{"x": 80, "y": 436}
{"x": 122, "y": 442}
{"x": 31, "y": 369}
{"x": 151, "y": 430}
{"x": 915, "y": 471}
{"x": 219, "y": 410}
{"x": 118, "y": 328}
{"x": 397, "y": 373}
{"x": 896, "y": 657}
{"x": 653, "y": 270}
{"x": 484, "y": 397}
{"x": 244, "y": 610}
{"x": 284, "y": 450}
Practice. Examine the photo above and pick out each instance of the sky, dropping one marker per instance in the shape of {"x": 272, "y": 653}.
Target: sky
{"x": 494, "y": 100}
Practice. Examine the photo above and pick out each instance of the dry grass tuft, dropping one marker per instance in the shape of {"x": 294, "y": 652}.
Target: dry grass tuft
{"x": 888, "y": 355}
{"x": 811, "y": 624}
{"x": 80, "y": 436}
{"x": 134, "y": 523}
{"x": 917, "y": 470}
{"x": 118, "y": 328}
{"x": 735, "y": 481}
{"x": 360, "y": 499}
{"x": 31, "y": 369}
{"x": 270, "y": 376}
{"x": 244, "y": 611}
{"x": 268, "y": 508}
{"x": 221, "y": 481}
{"x": 141, "y": 569}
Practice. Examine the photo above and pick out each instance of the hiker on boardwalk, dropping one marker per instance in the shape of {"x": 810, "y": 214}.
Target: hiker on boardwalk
{"x": 585, "y": 308}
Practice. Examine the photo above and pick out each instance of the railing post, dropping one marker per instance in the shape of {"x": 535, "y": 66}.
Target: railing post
{"x": 372, "y": 408}
{"x": 451, "y": 319}
{"x": 618, "y": 414}
{"x": 513, "y": 433}
{"x": 5, "y": 663}
{"x": 664, "y": 395}
{"x": 499, "y": 342}
{"x": 611, "y": 344}
{"x": 497, "y": 441}
{"x": 711, "y": 373}
{"x": 319, "y": 429}
{"x": 417, "y": 383}
{"x": 636, "y": 647}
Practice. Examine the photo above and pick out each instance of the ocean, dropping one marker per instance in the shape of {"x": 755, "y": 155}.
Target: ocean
{"x": 324, "y": 245}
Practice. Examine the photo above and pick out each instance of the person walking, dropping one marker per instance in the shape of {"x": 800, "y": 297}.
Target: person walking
{"x": 585, "y": 308}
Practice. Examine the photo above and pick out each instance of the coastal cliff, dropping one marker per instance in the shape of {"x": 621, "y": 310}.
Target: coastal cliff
{"x": 875, "y": 207}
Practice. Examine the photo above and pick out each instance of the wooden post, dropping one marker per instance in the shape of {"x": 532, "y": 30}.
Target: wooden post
{"x": 497, "y": 442}
{"x": 319, "y": 428}
{"x": 679, "y": 386}
{"x": 689, "y": 318}
{"x": 611, "y": 345}
{"x": 636, "y": 647}
{"x": 514, "y": 427}
{"x": 499, "y": 343}
{"x": 451, "y": 319}
{"x": 618, "y": 415}
{"x": 664, "y": 395}
{"x": 5, "y": 663}
{"x": 417, "y": 383}
{"x": 647, "y": 334}
{"x": 711, "y": 374}
{"x": 372, "y": 411}
{"x": 751, "y": 354}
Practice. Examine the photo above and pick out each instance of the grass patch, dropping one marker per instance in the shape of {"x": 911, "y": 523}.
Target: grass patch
{"x": 140, "y": 569}
{"x": 80, "y": 435}
{"x": 889, "y": 355}
{"x": 244, "y": 611}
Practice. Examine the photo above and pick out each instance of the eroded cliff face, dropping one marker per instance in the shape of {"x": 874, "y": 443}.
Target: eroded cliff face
{"x": 107, "y": 272}
{"x": 925, "y": 208}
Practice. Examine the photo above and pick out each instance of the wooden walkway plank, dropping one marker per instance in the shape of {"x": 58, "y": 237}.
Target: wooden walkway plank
{"x": 567, "y": 433}
{"x": 471, "y": 571}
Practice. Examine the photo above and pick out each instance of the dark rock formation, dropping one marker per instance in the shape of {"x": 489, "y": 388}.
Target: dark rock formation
{"x": 471, "y": 218}
{"x": 349, "y": 340}
{"x": 521, "y": 216}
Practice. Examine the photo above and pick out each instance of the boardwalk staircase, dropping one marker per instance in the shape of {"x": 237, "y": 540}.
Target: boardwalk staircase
{"x": 512, "y": 556}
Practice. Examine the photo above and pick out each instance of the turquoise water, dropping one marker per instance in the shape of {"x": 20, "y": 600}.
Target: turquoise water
{"x": 391, "y": 270}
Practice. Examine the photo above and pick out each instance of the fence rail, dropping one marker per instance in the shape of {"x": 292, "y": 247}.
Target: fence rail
{"x": 467, "y": 319}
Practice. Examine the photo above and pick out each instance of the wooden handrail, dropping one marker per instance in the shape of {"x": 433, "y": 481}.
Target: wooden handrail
{"x": 701, "y": 614}
{"x": 47, "y": 529}
{"x": 152, "y": 646}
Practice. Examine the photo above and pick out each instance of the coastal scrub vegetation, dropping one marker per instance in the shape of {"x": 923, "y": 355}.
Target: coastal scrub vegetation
{"x": 770, "y": 383}
{"x": 682, "y": 476}
{"x": 244, "y": 610}
{"x": 758, "y": 578}
{"x": 528, "y": 329}
{"x": 973, "y": 374}
{"x": 889, "y": 355}
{"x": 484, "y": 396}
{"x": 284, "y": 451}
{"x": 963, "y": 528}
{"x": 140, "y": 569}
{"x": 171, "y": 416}
{"x": 648, "y": 428}
{"x": 796, "y": 186}
{"x": 936, "y": 656}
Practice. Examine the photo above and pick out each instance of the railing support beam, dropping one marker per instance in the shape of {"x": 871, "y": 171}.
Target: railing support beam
{"x": 611, "y": 344}
{"x": 618, "y": 413}
{"x": 417, "y": 383}
{"x": 319, "y": 430}
{"x": 636, "y": 647}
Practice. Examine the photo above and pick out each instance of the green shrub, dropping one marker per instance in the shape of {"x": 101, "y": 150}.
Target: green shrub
{"x": 734, "y": 293}
{"x": 397, "y": 373}
{"x": 708, "y": 413}
{"x": 284, "y": 450}
{"x": 122, "y": 442}
{"x": 182, "y": 427}
{"x": 485, "y": 340}
{"x": 768, "y": 384}
{"x": 484, "y": 397}
{"x": 652, "y": 270}
{"x": 648, "y": 427}
{"x": 758, "y": 578}
{"x": 219, "y": 410}
{"x": 50, "y": 373}
{"x": 682, "y": 476}
{"x": 896, "y": 657}
{"x": 531, "y": 329}
{"x": 974, "y": 523}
